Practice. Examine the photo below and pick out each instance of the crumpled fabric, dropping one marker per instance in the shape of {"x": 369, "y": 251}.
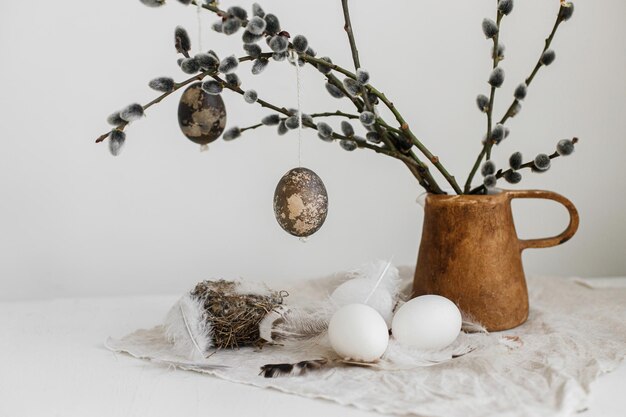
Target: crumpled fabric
{"x": 543, "y": 368}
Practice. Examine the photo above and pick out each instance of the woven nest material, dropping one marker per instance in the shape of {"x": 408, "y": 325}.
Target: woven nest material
{"x": 233, "y": 314}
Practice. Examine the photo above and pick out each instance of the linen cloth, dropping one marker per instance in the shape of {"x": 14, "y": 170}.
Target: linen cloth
{"x": 542, "y": 368}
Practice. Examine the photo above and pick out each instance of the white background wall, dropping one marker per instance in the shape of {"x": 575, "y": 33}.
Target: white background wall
{"x": 76, "y": 221}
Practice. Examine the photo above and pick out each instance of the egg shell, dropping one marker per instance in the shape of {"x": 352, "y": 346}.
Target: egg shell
{"x": 201, "y": 116}
{"x": 357, "y": 332}
{"x": 358, "y": 289}
{"x": 300, "y": 202}
{"x": 428, "y": 322}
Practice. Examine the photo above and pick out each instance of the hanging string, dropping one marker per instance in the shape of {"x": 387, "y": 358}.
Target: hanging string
{"x": 296, "y": 58}
{"x": 204, "y": 147}
{"x": 198, "y": 14}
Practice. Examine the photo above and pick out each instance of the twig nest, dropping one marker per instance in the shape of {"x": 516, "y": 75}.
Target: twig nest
{"x": 219, "y": 314}
{"x": 201, "y": 116}
{"x": 358, "y": 332}
{"x": 300, "y": 202}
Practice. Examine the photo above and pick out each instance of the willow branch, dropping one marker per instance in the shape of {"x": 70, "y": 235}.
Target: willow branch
{"x": 404, "y": 128}
{"x": 403, "y": 124}
{"x": 210, "y": 7}
{"x": 530, "y": 164}
{"x": 531, "y": 77}
{"x": 509, "y": 113}
{"x": 252, "y": 127}
{"x": 313, "y": 115}
{"x": 333, "y": 80}
{"x": 353, "y": 49}
{"x": 355, "y": 100}
{"x": 492, "y": 94}
{"x": 348, "y": 28}
{"x": 284, "y": 111}
{"x": 479, "y": 159}
{"x": 486, "y": 150}
{"x": 334, "y": 67}
{"x": 422, "y": 174}
{"x": 417, "y": 167}
{"x": 335, "y": 113}
{"x": 177, "y": 86}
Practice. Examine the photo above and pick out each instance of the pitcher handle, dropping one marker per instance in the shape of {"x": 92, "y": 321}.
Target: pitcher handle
{"x": 554, "y": 240}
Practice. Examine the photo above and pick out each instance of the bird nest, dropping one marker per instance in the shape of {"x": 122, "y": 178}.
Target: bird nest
{"x": 234, "y": 313}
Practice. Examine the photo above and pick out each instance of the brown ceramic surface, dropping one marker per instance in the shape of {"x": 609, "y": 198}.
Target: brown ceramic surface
{"x": 470, "y": 253}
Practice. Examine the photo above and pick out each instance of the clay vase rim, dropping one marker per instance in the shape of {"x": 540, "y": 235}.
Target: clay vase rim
{"x": 495, "y": 196}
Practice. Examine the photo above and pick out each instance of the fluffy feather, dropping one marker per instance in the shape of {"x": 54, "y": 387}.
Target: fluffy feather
{"x": 293, "y": 369}
{"x": 473, "y": 327}
{"x": 376, "y": 284}
{"x": 399, "y": 357}
{"x": 188, "y": 330}
{"x": 190, "y": 365}
{"x": 244, "y": 287}
{"x": 295, "y": 324}
{"x": 303, "y": 367}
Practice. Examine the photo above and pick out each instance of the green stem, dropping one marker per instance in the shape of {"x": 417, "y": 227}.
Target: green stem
{"x": 355, "y": 100}
{"x": 282, "y": 110}
{"x": 347, "y": 73}
{"x": 510, "y": 111}
{"x": 404, "y": 127}
{"x": 314, "y": 116}
{"x": 348, "y": 28}
{"x": 252, "y": 127}
{"x": 337, "y": 113}
{"x": 481, "y": 189}
{"x": 416, "y": 166}
{"x": 538, "y": 65}
{"x": 486, "y": 150}
{"x": 177, "y": 86}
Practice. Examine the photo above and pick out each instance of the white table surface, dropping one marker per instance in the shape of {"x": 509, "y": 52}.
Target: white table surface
{"x": 53, "y": 363}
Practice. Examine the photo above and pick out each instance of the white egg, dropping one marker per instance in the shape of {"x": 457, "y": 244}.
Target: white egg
{"x": 358, "y": 289}
{"x": 358, "y": 332}
{"x": 428, "y": 322}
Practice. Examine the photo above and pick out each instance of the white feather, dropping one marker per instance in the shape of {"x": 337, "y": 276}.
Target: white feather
{"x": 373, "y": 271}
{"x": 266, "y": 326}
{"x": 473, "y": 327}
{"x": 295, "y": 324}
{"x": 380, "y": 279}
{"x": 187, "y": 329}
{"x": 399, "y": 357}
{"x": 244, "y": 287}
{"x": 376, "y": 284}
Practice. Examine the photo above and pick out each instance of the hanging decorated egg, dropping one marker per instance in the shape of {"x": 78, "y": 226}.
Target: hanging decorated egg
{"x": 201, "y": 116}
{"x": 300, "y": 202}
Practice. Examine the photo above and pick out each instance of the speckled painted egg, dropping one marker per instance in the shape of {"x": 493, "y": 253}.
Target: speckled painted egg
{"x": 201, "y": 116}
{"x": 300, "y": 202}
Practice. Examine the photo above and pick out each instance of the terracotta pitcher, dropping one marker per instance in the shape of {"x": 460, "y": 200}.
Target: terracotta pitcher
{"x": 470, "y": 253}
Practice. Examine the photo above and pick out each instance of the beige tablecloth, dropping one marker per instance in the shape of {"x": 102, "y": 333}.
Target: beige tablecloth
{"x": 542, "y": 368}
